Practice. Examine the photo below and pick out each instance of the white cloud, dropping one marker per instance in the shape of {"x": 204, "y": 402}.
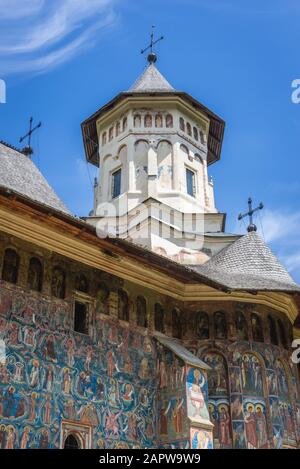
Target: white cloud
{"x": 279, "y": 225}
{"x": 281, "y": 231}
{"x": 38, "y": 34}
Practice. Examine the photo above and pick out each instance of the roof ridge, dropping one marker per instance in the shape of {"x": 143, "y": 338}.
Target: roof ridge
{"x": 12, "y": 147}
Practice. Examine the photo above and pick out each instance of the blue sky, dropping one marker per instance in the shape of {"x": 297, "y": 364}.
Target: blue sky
{"x": 63, "y": 59}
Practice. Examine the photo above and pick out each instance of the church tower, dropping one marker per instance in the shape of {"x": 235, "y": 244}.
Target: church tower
{"x": 153, "y": 145}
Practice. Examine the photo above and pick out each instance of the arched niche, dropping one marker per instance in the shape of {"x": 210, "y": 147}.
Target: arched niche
{"x": 202, "y": 325}
{"x": 159, "y": 318}
{"x": 35, "y": 275}
{"x": 141, "y": 312}
{"x": 254, "y": 391}
{"x": 165, "y": 165}
{"x": 176, "y": 323}
{"x": 241, "y": 326}
{"x": 219, "y": 398}
{"x": 141, "y": 149}
{"x": 282, "y": 408}
{"x": 10, "y": 268}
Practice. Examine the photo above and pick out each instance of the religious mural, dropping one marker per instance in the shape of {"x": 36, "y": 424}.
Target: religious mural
{"x": 51, "y": 376}
{"x": 173, "y": 425}
{"x": 117, "y": 388}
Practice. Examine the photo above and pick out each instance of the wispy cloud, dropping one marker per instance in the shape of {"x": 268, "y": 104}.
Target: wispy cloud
{"x": 36, "y": 35}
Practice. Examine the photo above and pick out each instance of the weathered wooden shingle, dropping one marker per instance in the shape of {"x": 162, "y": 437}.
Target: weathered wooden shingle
{"x": 248, "y": 264}
{"x": 20, "y": 174}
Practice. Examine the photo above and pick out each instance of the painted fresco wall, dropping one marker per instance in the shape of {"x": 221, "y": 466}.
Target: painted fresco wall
{"x": 111, "y": 389}
{"x": 253, "y": 395}
{"x": 173, "y": 425}
{"x": 52, "y": 375}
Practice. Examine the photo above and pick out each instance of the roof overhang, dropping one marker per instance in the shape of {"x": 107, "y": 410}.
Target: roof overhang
{"x": 216, "y": 124}
{"x": 68, "y": 236}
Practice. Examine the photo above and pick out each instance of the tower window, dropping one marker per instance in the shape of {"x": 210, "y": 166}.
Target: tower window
{"x": 189, "y": 129}
{"x": 190, "y": 182}
{"x": 111, "y": 134}
{"x": 81, "y": 318}
{"x": 116, "y": 183}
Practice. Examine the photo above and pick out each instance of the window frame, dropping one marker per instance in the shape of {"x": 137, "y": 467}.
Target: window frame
{"x": 87, "y": 318}
{"x": 194, "y": 184}
{"x": 114, "y": 195}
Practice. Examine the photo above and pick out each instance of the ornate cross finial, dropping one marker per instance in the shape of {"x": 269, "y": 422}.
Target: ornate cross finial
{"x": 251, "y": 211}
{"x": 152, "y": 57}
{"x": 28, "y": 150}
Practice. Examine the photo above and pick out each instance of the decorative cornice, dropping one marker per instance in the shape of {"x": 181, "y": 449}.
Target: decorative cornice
{"x": 50, "y": 233}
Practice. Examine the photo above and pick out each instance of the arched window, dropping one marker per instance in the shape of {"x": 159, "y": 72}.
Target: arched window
{"x": 35, "y": 274}
{"x": 189, "y": 129}
{"x": 159, "y": 318}
{"x": 220, "y": 325}
{"x": 241, "y": 326}
{"x": 104, "y": 138}
{"x": 58, "y": 285}
{"x": 123, "y": 309}
{"x": 169, "y": 121}
{"x": 257, "y": 330}
{"x": 137, "y": 120}
{"x": 118, "y": 129}
{"x": 141, "y": 311}
{"x": 158, "y": 120}
{"x": 125, "y": 124}
{"x": 72, "y": 442}
{"x": 148, "y": 120}
{"x": 272, "y": 331}
{"x": 202, "y": 325}
{"x": 184, "y": 149}
{"x": 282, "y": 334}
{"x": 196, "y": 135}
{"x": 176, "y": 324}
{"x": 182, "y": 124}
{"x": 219, "y": 406}
{"x": 81, "y": 283}
{"x": 111, "y": 134}
{"x": 198, "y": 158}
{"x": 10, "y": 269}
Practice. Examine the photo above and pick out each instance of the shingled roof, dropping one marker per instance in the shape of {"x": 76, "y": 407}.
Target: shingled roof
{"x": 19, "y": 174}
{"x": 151, "y": 80}
{"x": 248, "y": 264}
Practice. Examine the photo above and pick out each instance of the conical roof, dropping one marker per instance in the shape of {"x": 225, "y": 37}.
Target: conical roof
{"x": 249, "y": 264}
{"x": 151, "y": 80}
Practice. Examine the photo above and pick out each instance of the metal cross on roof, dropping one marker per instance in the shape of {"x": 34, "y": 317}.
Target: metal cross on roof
{"x": 152, "y": 57}
{"x": 251, "y": 211}
{"x": 28, "y": 150}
